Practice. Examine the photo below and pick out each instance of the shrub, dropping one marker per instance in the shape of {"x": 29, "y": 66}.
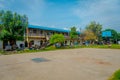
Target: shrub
{"x": 115, "y": 76}
{"x": 57, "y": 38}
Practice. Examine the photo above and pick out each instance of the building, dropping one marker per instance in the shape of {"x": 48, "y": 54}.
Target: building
{"x": 39, "y": 35}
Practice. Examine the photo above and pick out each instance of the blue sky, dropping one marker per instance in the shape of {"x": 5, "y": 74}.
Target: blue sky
{"x": 67, "y": 13}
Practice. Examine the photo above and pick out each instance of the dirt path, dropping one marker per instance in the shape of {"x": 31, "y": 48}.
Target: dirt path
{"x": 72, "y": 64}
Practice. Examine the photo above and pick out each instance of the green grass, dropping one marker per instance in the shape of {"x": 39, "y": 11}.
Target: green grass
{"x": 0, "y": 52}
{"x": 115, "y": 76}
{"x": 51, "y": 48}
{"x": 22, "y": 51}
{"x": 113, "y": 46}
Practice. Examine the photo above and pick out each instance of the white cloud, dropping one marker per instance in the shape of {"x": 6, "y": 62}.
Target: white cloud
{"x": 33, "y": 9}
{"x": 104, "y": 11}
{"x": 66, "y": 28}
{"x": 36, "y": 4}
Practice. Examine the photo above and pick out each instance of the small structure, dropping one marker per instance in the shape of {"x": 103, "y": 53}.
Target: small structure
{"x": 107, "y": 35}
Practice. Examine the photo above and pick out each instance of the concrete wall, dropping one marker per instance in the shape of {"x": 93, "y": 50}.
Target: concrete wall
{"x": 1, "y": 45}
{"x": 37, "y": 42}
{"x": 118, "y": 42}
{"x": 19, "y": 42}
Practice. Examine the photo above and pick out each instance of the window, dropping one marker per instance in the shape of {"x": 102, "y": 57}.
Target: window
{"x": 66, "y": 34}
{"x": 30, "y": 30}
{"x": 48, "y": 33}
{"x": 32, "y": 42}
{"x": 34, "y": 31}
{"x": 41, "y": 32}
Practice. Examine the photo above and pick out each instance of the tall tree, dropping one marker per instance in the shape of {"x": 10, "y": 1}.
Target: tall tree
{"x": 13, "y": 26}
{"x": 96, "y": 28}
{"x": 73, "y": 34}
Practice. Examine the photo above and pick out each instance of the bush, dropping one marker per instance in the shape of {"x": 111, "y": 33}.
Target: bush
{"x": 57, "y": 38}
{"x": 115, "y": 76}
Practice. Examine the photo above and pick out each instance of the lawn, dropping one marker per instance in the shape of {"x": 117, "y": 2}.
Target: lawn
{"x": 51, "y": 48}
{"x": 113, "y": 46}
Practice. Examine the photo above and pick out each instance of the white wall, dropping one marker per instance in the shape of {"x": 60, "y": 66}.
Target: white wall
{"x": 19, "y": 42}
{"x": 68, "y": 42}
{"x": 118, "y": 42}
{"x": 37, "y": 42}
{"x": 1, "y": 45}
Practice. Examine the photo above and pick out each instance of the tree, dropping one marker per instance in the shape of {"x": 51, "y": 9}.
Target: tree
{"x": 89, "y": 36}
{"x": 96, "y": 28}
{"x": 118, "y": 36}
{"x": 73, "y": 33}
{"x": 57, "y": 38}
{"x": 13, "y": 26}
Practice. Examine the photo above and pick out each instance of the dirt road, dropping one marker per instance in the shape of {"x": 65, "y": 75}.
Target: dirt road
{"x": 71, "y": 64}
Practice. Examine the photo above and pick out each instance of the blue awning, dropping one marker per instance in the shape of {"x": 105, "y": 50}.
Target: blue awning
{"x": 49, "y": 28}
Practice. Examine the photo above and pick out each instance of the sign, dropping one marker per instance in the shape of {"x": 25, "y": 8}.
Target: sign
{"x": 106, "y": 34}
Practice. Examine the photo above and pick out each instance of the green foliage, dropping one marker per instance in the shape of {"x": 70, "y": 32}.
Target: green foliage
{"x": 57, "y": 38}
{"x": 12, "y": 25}
{"x": 113, "y": 46}
{"x": 73, "y": 33}
{"x": 0, "y": 52}
{"x": 95, "y": 28}
{"x": 119, "y": 36}
{"x": 115, "y": 76}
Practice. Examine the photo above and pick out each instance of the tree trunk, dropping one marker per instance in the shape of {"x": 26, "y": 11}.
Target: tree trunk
{"x": 13, "y": 44}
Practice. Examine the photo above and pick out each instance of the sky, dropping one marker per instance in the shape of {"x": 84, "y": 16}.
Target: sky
{"x": 67, "y": 13}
